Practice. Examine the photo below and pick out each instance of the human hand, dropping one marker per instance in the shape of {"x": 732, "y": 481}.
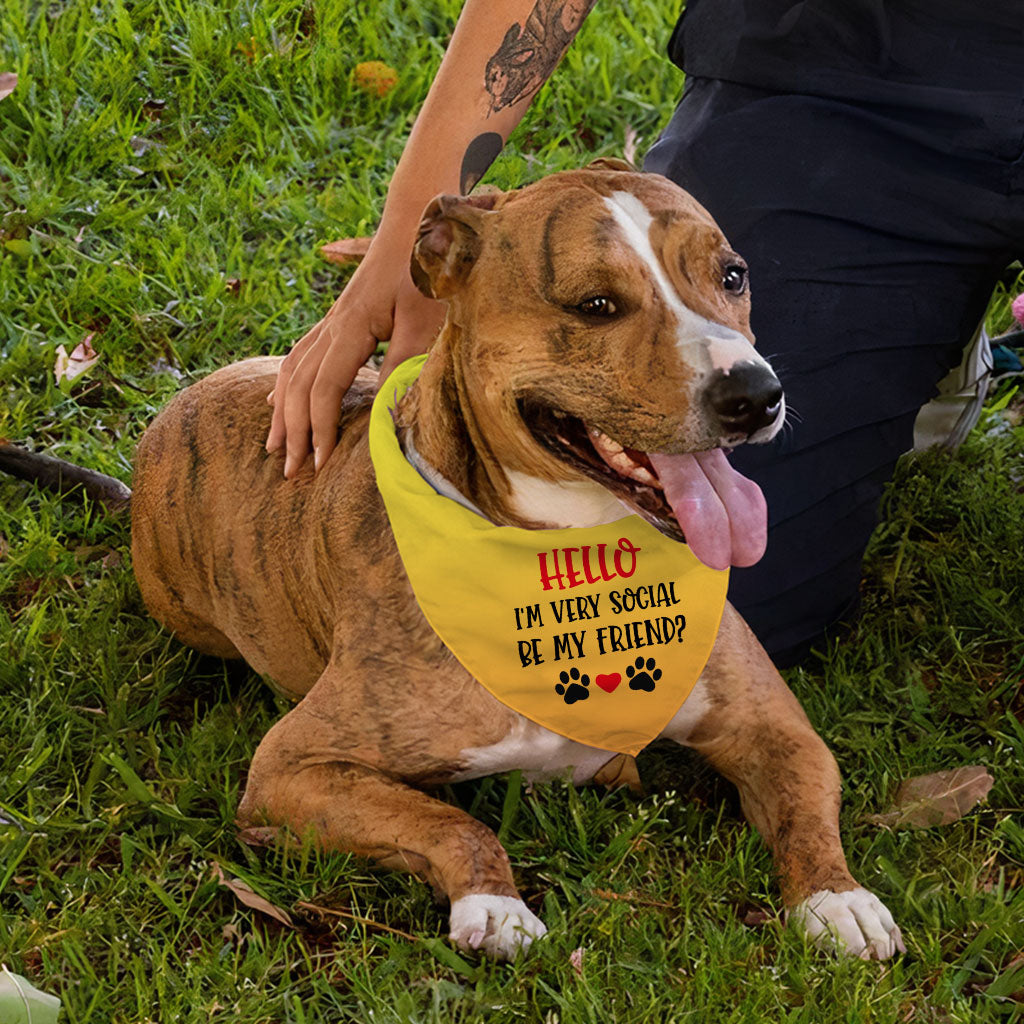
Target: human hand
{"x": 380, "y": 303}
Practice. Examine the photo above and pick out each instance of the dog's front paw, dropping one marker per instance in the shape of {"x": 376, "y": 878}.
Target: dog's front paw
{"x": 501, "y": 926}
{"x": 855, "y": 922}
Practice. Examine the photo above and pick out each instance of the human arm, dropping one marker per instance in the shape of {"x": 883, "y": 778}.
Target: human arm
{"x": 499, "y": 56}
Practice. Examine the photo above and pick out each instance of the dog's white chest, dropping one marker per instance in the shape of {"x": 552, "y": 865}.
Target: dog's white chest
{"x": 542, "y": 754}
{"x": 538, "y": 752}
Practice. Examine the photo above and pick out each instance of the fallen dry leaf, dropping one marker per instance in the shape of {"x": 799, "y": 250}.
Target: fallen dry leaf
{"x": 244, "y": 894}
{"x": 346, "y": 250}
{"x": 8, "y": 81}
{"x": 621, "y": 770}
{"x": 936, "y": 799}
{"x": 68, "y": 367}
{"x": 259, "y": 835}
{"x": 576, "y": 961}
{"x": 4, "y": 547}
{"x": 375, "y": 76}
{"x": 755, "y": 917}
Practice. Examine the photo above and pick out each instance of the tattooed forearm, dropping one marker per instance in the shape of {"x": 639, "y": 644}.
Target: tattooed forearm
{"x": 527, "y": 56}
{"x": 480, "y": 154}
{"x": 529, "y": 52}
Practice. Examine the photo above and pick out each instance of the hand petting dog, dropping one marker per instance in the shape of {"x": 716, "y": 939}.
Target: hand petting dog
{"x": 596, "y": 360}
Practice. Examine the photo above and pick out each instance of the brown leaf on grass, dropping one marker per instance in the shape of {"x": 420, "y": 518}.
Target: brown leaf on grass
{"x": 4, "y": 547}
{"x": 576, "y": 961}
{"x": 753, "y": 916}
{"x": 346, "y": 250}
{"x": 244, "y": 894}
{"x": 621, "y": 770}
{"x": 8, "y": 81}
{"x": 68, "y": 367}
{"x": 936, "y": 799}
{"x": 259, "y": 835}
{"x": 112, "y": 560}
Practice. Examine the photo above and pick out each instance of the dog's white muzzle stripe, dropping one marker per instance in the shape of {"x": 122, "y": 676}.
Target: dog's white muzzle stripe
{"x": 704, "y": 344}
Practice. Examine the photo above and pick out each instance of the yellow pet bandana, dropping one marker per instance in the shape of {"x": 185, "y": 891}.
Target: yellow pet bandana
{"x": 597, "y": 633}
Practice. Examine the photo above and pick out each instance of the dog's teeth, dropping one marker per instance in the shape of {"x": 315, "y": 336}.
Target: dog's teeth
{"x": 615, "y": 455}
{"x": 603, "y": 443}
{"x": 641, "y": 474}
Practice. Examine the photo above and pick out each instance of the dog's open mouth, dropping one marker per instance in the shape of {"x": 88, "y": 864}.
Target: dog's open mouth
{"x": 627, "y": 473}
{"x": 698, "y": 498}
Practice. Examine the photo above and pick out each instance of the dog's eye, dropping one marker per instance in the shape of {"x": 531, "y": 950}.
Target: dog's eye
{"x": 597, "y": 305}
{"x": 734, "y": 278}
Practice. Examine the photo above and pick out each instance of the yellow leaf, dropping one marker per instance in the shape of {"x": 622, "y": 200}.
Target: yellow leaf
{"x": 375, "y": 76}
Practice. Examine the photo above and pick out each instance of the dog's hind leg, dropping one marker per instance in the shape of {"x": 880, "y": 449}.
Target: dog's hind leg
{"x": 356, "y": 808}
{"x": 751, "y": 728}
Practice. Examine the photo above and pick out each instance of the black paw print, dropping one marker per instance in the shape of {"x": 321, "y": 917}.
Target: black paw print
{"x": 643, "y": 676}
{"x": 569, "y": 689}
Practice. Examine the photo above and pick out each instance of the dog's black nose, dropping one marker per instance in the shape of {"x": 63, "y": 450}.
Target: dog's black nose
{"x": 745, "y": 399}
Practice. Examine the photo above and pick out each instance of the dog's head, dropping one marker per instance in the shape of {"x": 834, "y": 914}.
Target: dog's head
{"x": 600, "y": 323}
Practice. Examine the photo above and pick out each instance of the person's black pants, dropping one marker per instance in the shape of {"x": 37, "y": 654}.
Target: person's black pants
{"x": 874, "y": 237}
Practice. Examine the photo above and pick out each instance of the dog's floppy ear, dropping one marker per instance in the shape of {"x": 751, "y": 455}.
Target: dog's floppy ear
{"x": 449, "y": 242}
{"x": 610, "y": 163}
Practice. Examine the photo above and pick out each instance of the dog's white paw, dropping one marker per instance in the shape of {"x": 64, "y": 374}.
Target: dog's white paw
{"x": 501, "y": 926}
{"x": 856, "y": 922}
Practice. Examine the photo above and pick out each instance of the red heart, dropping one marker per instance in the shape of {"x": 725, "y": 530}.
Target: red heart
{"x": 609, "y": 682}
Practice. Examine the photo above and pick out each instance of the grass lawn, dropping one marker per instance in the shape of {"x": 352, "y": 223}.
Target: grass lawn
{"x": 167, "y": 170}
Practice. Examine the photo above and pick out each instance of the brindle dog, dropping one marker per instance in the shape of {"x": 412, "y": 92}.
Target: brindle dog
{"x": 593, "y": 318}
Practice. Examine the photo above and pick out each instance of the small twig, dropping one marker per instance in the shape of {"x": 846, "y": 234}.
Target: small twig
{"x": 348, "y": 915}
{"x": 607, "y": 894}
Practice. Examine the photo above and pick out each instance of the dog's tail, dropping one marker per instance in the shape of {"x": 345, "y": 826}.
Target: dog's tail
{"x": 62, "y": 477}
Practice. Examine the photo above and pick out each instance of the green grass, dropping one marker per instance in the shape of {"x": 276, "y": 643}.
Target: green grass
{"x": 153, "y": 152}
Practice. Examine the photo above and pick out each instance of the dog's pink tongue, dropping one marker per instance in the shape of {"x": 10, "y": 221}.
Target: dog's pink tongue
{"x": 723, "y": 514}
